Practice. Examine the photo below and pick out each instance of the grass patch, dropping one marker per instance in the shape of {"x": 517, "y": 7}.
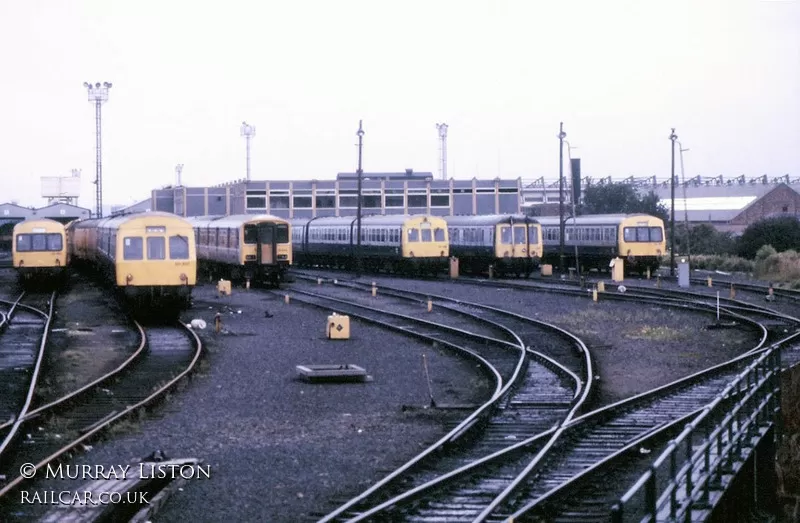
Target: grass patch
{"x": 655, "y": 333}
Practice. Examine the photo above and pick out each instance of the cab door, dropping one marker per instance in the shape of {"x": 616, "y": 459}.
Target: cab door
{"x": 265, "y": 251}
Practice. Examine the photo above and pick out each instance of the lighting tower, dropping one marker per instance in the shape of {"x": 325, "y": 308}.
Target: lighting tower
{"x": 673, "y": 137}
{"x": 248, "y": 131}
{"x": 360, "y": 173}
{"x": 178, "y": 170}
{"x": 561, "y": 136}
{"x": 98, "y": 94}
{"x": 442, "y": 127}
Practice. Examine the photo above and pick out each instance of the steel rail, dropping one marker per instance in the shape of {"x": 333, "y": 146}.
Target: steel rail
{"x": 116, "y": 416}
{"x": 48, "y": 316}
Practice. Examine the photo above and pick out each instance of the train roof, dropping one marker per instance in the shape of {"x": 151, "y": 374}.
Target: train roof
{"x": 29, "y": 223}
{"x": 388, "y": 220}
{"x": 119, "y": 220}
{"x": 595, "y": 219}
{"x": 487, "y": 219}
{"x": 234, "y": 220}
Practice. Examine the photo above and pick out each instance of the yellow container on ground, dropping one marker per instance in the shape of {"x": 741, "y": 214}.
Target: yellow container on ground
{"x": 338, "y": 327}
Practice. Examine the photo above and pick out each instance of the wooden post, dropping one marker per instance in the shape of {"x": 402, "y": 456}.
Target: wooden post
{"x": 286, "y": 298}
{"x": 648, "y": 273}
{"x": 430, "y": 305}
{"x": 710, "y": 284}
{"x": 601, "y": 286}
{"x": 247, "y": 284}
{"x": 733, "y": 291}
{"x": 594, "y": 295}
{"x": 374, "y": 290}
{"x": 218, "y": 322}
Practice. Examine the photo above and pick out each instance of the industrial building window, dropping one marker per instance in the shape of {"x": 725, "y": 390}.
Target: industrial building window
{"x": 326, "y": 199}
{"x": 302, "y": 202}
{"x": 371, "y": 201}
{"x": 395, "y": 201}
{"x": 440, "y": 200}
{"x": 132, "y": 248}
{"x": 417, "y": 200}
{"x": 178, "y": 247}
{"x": 278, "y": 202}
{"x": 256, "y": 202}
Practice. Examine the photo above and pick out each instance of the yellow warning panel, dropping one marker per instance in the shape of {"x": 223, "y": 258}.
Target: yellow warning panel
{"x": 224, "y": 287}
{"x": 338, "y": 327}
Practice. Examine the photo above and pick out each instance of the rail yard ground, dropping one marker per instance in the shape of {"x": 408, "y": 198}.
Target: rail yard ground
{"x": 282, "y": 450}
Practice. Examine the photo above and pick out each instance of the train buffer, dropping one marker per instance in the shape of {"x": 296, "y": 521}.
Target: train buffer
{"x": 135, "y": 495}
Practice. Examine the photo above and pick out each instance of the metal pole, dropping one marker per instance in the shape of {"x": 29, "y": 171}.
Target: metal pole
{"x": 672, "y": 137}
{"x": 360, "y": 173}
{"x": 99, "y": 184}
{"x": 248, "y": 157}
{"x": 685, "y": 209}
{"x": 574, "y": 210}
{"x": 561, "y": 136}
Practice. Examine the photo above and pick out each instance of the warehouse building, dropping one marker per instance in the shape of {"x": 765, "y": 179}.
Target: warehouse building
{"x": 382, "y": 193}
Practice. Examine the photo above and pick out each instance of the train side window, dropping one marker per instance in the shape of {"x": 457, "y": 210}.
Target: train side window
{"x": 383, "y": 235}
{"x": 155, "y": 248}
{"x": 656, "y": 235}
{"x": 505, "y": 234}
{"x": 54, "y": 242}
{"x": 178, "y": 247}
{"x": 413, "y": 235}
{"x": 132, "y": 248}
{"x": 438, "y": 234}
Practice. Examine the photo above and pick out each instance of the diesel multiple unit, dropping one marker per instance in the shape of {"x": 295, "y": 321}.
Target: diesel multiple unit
{"x": 636, "y": 238}
{"x": 394, "y": 243}
{"x": 149, "y": 257}
{"x": 39, "y": 249}
{"x": 244, "y": 246}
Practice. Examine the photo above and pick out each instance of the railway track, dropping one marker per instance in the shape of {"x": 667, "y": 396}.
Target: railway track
{"x": 582, "y": 452}
{"x": 166, "y": 354}
{"x": 22, "y": 346}
{"x": 544, "y": 395}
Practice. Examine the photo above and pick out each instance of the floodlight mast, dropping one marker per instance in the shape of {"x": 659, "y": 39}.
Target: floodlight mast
{"x": 98, "y": 93}
{"x": 360, "y": 172}
{"x": 673, "y": 137}
{"x": 248, "y": 131}
{"x": 561, "y": 136}
{"x": 442, "y": 128}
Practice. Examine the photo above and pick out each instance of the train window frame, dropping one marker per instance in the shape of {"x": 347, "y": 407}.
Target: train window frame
{"x": 534, "y": 237}
{"x": 656, "y": 229}
{"x": 413, "y": 234}
{"x": 426, "y": 235}
{"x": 155, "y": 241}
{"x": 250, "y": 234}
{"x": 520, "y": 235}
{"x": 174, "y": 253}
{"x": 130, "y": 251}
{"x": 439, "y": 235}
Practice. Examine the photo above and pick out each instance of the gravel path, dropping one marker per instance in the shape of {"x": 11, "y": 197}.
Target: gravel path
{"x": 281, "y": 449}
{"x": 636, "y": 347}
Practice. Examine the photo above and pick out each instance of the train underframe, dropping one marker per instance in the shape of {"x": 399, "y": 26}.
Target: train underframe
{"x": 502, "y": 267}
{"x": 163, "y": 301}
{"x": 411, "y": 266}
{"x": 45, "y": 277}
{"x": 601, "y": 262}
{"x": 268, "y": 274}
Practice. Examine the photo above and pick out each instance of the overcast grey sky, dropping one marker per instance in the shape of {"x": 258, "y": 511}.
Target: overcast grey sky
{"x": 502, "y": 74}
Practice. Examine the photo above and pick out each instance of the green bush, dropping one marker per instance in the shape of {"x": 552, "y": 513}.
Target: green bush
{"x": 764, "y": 252}
{"x": 781, "y": 232}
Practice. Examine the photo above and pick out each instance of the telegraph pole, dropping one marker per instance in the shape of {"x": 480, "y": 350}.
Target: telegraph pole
{"x": 561, "y": 136}
{"x": 98, "y": 94}
{"x": 360, "y": 174}
{"x": 673, "y": 137}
